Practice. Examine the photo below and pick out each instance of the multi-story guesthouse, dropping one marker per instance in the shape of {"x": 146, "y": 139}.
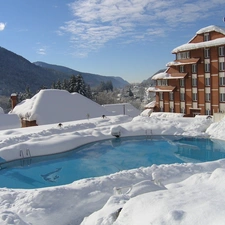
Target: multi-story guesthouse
{"x": 194, "y": 83}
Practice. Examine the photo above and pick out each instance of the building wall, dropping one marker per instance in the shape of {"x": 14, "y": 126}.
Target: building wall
{"x": 202, "y": 104}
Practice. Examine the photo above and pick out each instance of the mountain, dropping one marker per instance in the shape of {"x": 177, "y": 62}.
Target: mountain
{"x": 92, "y": 79}
{"x": 149, "y": 81}
{"x": 17, "y": 73}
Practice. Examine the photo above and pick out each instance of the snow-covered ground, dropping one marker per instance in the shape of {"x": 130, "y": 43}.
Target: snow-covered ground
{"x": 165, "y": 194}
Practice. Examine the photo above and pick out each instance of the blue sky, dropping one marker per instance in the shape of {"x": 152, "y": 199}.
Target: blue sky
{"x": 132, "y": 39}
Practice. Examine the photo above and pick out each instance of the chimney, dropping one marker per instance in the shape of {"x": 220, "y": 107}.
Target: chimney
{"x": 13, "y": 100}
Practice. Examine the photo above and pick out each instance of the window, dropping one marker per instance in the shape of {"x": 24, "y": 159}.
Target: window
{"x": 222, "y": 97}
{"x": 206, "y": 52}
{"x": 207, "y": 67}
{"x": 161, "y": 109}
{"x": 171, "y": 109}
{"x": 164, "y": 83}
{"x": 221, "y": 66}
{"x": 222, "y": 81}
{"x": 208, "y": 112}
{"x": 182, "y": 82}
{"x": 183, "y": 55}
{"x": 171, "y": 96}
{"x": 207, "y": 81}
{"x": 182, "y": 96}
{"x": 207, "y": 97}
{"x": 206, "y": 37}
{"x": 181, "y": 69}
{"x": 221, "y": 51}
{"x": 194, "y": 82}
{"x": 160, "y": 96}
{"x": 194, "y": 96}
{"x": 194, "y": 68}
{"x": 159, "y": 82}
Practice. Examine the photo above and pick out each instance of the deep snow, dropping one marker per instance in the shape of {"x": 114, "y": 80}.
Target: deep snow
{"x": 189, "y": 193}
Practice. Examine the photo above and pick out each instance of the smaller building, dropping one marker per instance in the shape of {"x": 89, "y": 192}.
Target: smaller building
{"x": 51, "y": 106}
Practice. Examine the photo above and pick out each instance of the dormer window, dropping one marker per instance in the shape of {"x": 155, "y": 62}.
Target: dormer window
{"x": 206, "y": 36}
{"x": 183, "y": 55}
{"x": 162, "y": 83}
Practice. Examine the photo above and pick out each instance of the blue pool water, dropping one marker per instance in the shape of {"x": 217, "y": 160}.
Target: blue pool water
{"x": 106, "y": 157}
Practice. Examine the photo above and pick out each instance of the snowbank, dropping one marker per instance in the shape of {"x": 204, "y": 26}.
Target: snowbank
{"x": 189, "y": 193}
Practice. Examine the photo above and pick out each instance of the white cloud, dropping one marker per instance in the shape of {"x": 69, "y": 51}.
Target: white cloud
{"x": 41, "y": 51}
{"x": 2, "y": 26}
{"x": 97, "y": 22}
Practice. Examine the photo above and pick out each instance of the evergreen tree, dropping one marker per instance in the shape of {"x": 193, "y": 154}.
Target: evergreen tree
{"x": 80, "y": 85}
{"x": 25, "y": 95}
{"x": 102, "y": 86}
{"x": 88, "y": 92}
{"x": 72, "y": 84}
{"x": 130, "y": 93}
{"x": 65, "y": 85}
{"x": 53, "y": 85}
{"x": 109, "y": 86}
{"x": 58, "y": 85}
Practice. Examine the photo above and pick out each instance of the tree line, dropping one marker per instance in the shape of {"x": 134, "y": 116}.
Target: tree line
{"x": 73, "y": 84}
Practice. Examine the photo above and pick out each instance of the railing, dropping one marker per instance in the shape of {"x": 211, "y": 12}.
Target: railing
{"x": 25, "y": 158}
{"x": 148, "y": 134}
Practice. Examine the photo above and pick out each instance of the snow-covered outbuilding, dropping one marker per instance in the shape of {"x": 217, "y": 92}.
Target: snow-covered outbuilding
{"x": 56, "y": 106}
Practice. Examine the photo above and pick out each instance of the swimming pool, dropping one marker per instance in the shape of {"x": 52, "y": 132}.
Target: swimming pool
{"x": 106, "y": 157}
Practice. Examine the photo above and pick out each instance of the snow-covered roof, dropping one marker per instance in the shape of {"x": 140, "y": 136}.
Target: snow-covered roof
{"x": 167, "y": 76}
{"x": 162, "y": 75}
{"x": 161, "y": 89}
{"x": 210, "y": 29}
{"x": 54, "y": 106}
{"x": 205, "y": 44}
{"x": 150, "y": 104}
{"x": 147, "y": 112}
{"x": 182, "y": 62}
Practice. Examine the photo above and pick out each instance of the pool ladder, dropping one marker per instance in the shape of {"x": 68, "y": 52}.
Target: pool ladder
{"x": 25, "y": 158}
{"x": 148, "y": 136}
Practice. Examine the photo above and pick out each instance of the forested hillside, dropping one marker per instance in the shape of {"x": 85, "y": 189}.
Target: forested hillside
{"x": 17, "y": 74}
{"x": 91, "y": 79}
